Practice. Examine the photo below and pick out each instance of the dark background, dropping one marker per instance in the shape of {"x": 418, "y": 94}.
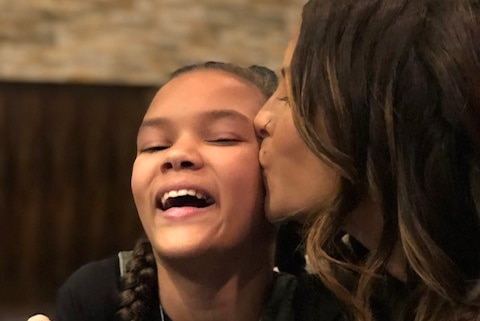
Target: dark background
{"x": 66, "y": 152}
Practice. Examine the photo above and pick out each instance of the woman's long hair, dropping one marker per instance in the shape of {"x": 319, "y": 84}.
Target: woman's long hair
{"x": 138, "y": 299}
{"x": 395, "y": 86}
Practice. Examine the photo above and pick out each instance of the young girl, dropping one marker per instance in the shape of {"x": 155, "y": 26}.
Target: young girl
{"x": 198, "y": 189}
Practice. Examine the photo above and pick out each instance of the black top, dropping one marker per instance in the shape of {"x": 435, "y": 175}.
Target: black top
{"x": 91, "y": 294}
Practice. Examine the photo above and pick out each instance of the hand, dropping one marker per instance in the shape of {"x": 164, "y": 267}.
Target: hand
{"x": 38, "y": 317}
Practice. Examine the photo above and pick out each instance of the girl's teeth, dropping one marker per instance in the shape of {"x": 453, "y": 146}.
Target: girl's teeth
{"x": 182, "y": 192}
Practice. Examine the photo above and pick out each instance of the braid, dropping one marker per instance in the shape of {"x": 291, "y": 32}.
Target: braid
{"x": 138, "y": 298}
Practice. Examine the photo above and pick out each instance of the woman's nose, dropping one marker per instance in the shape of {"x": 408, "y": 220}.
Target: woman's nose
{"x": 261, "y": 122}
{"x": 183, "y": 154}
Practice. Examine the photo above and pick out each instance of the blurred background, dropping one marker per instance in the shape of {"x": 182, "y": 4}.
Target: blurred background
{"x": 75, "y": 79}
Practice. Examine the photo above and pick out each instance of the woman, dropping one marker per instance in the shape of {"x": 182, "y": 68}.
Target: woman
{"x": 372, "y": 139}
{"x": 198, "y": 189}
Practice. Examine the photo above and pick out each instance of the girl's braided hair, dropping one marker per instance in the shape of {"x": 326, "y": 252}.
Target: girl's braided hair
{"x": 139, "y": 287}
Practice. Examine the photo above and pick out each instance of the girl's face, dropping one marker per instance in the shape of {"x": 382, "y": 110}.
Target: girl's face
{"x": 196, "y": 180}
{"x": 296, "y": 179}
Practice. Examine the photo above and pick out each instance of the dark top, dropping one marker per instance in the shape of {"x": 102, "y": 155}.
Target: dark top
{"x": 90, "y": 294}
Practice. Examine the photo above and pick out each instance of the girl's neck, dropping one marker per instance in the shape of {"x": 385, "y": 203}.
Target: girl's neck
{"x": 230, "y": 287}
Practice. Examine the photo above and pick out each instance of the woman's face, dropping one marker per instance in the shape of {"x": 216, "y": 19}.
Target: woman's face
{"x": 295, "y": 178}
{"x": 196, "y": 180}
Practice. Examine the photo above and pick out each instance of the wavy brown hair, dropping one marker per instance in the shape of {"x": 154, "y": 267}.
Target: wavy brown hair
{"x": 138, "y": 298}
{"x": 395, "y": 86}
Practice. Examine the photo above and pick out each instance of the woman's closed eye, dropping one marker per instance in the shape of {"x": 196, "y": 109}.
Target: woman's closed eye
{"x": 284, "y": 99}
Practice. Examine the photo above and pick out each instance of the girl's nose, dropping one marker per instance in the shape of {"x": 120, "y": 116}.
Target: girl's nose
{"x": 183, "y": 154}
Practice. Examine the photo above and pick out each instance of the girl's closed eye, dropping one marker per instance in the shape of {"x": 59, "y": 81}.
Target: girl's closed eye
{"x": 153, "y": 149}
{"x": 225, "y": 140}
{"x": 152, "y": 139}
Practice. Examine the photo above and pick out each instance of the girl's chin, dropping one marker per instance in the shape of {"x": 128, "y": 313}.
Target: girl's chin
{"x": 185, "y": 244}
{"x": 174, "y": 253}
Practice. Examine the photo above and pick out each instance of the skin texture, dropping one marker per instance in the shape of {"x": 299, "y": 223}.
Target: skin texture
{"x": 296, "y": 179}
{"x": 214, "y": 262}
{"x": 197, "y": 134}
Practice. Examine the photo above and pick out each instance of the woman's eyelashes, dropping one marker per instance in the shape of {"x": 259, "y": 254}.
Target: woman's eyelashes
{"x": 284, "y": 99}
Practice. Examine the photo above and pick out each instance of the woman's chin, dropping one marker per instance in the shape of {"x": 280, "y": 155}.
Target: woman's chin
{"x": 279, "y": 214}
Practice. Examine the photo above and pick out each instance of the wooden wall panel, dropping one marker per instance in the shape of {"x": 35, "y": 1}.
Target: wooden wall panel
{"x": 66, "y": 153}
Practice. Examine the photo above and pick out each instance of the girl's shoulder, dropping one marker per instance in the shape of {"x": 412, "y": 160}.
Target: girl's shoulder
{"x": 90, "y": 293}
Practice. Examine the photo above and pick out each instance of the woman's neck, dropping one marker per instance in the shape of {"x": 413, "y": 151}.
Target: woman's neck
{"x": 226, "y": 287}
{"x": 365, "y": 224}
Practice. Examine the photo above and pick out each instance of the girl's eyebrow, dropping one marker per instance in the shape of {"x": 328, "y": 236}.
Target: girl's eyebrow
{"x": 154, "y": 122}
{"x": 219, "y": 114}
{"x": 207, "y": 116}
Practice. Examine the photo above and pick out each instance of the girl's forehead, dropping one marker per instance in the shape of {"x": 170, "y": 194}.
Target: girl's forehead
{"x": 201, "y": 91}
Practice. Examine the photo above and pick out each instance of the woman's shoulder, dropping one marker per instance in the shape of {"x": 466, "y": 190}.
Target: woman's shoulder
{"x": 314, "y": 301}
{"x": 279, "y": 304}
{"x": 301, "y": 298}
